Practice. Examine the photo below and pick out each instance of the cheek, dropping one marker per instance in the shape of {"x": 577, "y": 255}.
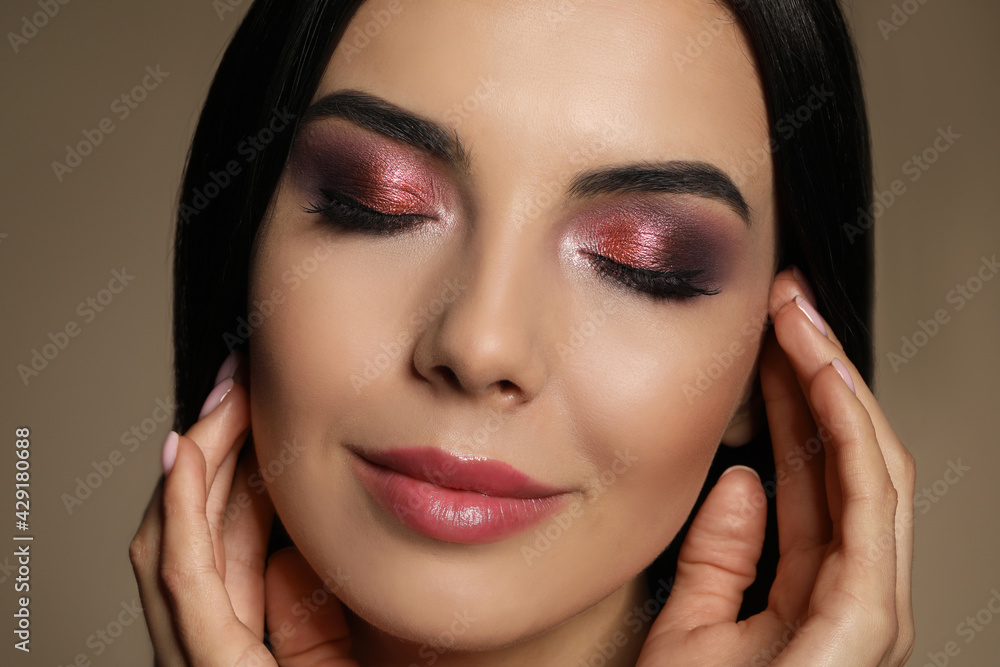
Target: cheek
{"x": 662, "y": 393}
{"x": 316, "y": 356}
{"x": 322, "y": 352}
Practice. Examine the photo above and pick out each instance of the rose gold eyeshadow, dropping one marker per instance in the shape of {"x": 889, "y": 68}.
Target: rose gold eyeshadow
{"x": 377, "y": 173}
{"x": 656, "y": 233}
{"x": 643, "y": 230}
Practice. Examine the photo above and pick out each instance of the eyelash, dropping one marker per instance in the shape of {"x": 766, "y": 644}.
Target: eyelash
{"x": 347, "y": 211}
{"x": 660, "y": 285}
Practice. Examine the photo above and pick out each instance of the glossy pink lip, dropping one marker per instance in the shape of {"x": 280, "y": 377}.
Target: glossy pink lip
{"x": 453, "y": 499}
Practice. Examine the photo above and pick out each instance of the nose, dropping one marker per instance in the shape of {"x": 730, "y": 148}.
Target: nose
{"x": 488, "y": 342}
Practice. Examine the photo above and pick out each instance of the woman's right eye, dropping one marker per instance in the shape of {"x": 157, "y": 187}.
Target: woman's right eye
{"x": 349, "y": 213}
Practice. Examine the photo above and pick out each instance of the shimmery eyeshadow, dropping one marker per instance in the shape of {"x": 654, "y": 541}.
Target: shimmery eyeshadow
{"x": 658, "y": 234}
{"x": 377, "y": 173}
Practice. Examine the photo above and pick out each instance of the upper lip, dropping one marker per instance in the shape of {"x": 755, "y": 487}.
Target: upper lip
{"x": 486, "y": 476}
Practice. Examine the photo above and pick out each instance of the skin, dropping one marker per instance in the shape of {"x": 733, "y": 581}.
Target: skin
{"x": 492, "y": 357}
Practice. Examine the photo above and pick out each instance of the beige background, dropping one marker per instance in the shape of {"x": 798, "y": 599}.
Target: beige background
{"x": 60, "y": 242}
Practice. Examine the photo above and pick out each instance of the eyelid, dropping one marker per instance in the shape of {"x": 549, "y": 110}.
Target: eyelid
{"x": 367, "y": 168}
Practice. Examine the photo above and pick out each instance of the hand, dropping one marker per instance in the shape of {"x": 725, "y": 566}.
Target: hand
{"x": 841, "y": 595}
{"x": 201, "y": 573}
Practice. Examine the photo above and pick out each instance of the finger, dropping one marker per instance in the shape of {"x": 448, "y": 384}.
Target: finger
{"x": 718, "y": 559}
{"x": 810, "y": 352}
{"x": 804, "y": 526}
{"x": 144, "y": 553}
{"x": 788, "y": 284}
{"x": 305, "y": 620}
{"x": 245, "y": 531}
{"x": 859, "y": 582}
{"x": 220, "y": 435}
{"x": 865, "y": 524}
{"x": 225, "y": 414}
{"x": 207, "y": 625}
{"x": 803, "y": 515}
{"x": 813, "y": 347}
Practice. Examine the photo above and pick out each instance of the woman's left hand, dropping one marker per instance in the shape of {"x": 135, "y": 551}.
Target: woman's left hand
{"x": 844, "y": 484}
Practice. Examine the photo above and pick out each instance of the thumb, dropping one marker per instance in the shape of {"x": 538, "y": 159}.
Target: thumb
{"x": 718, "y": 559}
{"x": 305, "y": 621}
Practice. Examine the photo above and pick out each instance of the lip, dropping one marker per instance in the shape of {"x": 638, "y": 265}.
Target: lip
{"x": 454, "y": 499}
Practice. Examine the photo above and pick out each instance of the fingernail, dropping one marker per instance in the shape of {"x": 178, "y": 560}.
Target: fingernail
{"x": 169, "y": 454}
{"x": 228, "y": 367}
{"x": 216, "y": 396}
{"x": 844, "y": 373}
{"x": 811, "y": 313}
{"x": 804, "y": 285}
{"x": 739, "y": 467}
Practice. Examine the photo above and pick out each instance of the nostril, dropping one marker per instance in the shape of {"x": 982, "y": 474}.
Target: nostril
{"x": 450, "y": 377}
{"x": 507, "y": 387}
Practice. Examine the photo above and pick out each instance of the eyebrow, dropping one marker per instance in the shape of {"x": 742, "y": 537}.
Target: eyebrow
{"x": 675, "y": 176}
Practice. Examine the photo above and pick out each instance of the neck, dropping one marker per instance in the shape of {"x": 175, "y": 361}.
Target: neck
{"x": 610, "y": 633}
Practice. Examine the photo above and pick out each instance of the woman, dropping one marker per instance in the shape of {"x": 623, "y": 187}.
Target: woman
{"x": 495, "y": 281}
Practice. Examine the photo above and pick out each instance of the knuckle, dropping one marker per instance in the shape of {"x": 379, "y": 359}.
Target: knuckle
{"x": 139, "y": 550}
{"x": 891, "y": 498}
{"x": 909, "y": 465}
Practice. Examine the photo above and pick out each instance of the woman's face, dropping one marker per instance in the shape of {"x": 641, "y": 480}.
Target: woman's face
{"x": 493, "y": 315}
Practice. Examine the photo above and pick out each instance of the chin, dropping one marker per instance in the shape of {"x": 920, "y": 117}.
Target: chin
{"x": 442, "y": 620}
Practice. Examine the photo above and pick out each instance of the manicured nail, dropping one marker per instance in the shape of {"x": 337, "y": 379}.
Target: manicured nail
{"x": 169, "y": 454}
{"x": 216, "y": 396}
{"x": 738, "y": 467}
{"x": 804, "y": 285}
{"x": 811, "y": 313}
{"x": 844, "y": 373}
{"x": 228, "y": 367}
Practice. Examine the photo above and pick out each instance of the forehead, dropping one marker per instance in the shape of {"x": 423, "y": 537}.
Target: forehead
{"x": 541, "y": 84}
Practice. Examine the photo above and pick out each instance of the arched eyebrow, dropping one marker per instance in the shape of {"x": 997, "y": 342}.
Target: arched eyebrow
{"x": 379, "y": 115}
{"x": 374, "y": 113}
{"x": 678, "y": 177}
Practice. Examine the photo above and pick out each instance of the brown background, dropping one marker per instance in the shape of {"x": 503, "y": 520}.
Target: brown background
{"x": 63, "y": 239}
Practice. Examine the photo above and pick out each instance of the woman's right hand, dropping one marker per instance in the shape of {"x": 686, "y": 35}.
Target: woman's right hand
{"x": 204, "y": 578}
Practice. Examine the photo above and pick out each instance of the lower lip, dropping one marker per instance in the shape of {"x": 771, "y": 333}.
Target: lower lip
{"x": 452, "y": 515}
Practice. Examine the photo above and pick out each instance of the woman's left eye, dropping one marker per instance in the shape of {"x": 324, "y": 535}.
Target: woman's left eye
{"x": 349, "y": 213}
{"x": 660, "y": 285}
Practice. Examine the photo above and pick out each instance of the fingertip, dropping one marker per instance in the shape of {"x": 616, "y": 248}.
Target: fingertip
{"x": 784, "y": 287}
{"x": 829, "y": 386}
{"x": 804, "y": 285}
{"x": 845, "y": 374}
{"x": 216, "y": 396}
{"x": 738, "y": 496}
{"x": 186, "y": 462}
{"x": 838, "y": 410}
{"x": 740, "y": 467}
{"x": 228, "y": 367}
{"x": 168, "y": 455}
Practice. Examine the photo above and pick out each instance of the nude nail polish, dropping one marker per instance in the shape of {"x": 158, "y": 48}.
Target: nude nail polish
{"x": 811, "y": 313}
{"x": 228, "y": 367}
{"x": 169, "y": 453}
{"x": 216, "y": 396}
{"x": 844, "y": 373}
